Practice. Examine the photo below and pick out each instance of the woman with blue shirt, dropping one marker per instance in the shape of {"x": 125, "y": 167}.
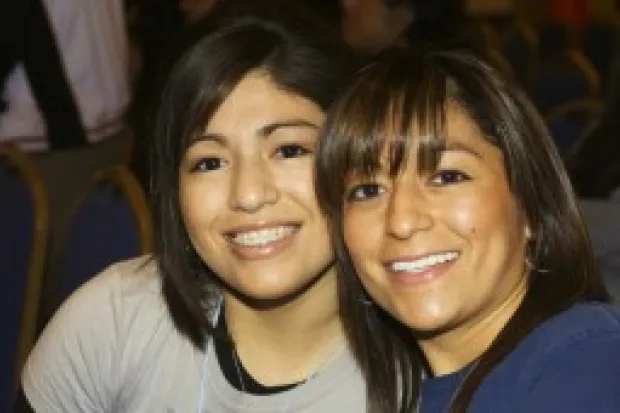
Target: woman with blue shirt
{"x": 467, "y": 281}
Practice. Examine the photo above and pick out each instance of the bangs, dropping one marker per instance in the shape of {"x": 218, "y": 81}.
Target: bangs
{"x": 376, "y": 126}
{"x": 200, "y": 96}
{"x": 398, "y": 106}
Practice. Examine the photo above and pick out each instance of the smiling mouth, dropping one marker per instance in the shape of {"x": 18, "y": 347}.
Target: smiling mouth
{"x": 262, "y": 237}
{"x": 422, "y": 264}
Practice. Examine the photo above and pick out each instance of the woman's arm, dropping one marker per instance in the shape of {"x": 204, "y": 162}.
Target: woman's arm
{"x": 74, "y": 365}
{"x": 22, "y": 405}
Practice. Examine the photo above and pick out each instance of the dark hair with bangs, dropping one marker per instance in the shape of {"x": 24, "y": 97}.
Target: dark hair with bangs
{"x": 407, "y": 89}
{"x": 237, "y": 37}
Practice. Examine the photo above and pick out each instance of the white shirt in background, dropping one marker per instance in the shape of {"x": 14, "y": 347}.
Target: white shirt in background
{"x": 92, "y": 40}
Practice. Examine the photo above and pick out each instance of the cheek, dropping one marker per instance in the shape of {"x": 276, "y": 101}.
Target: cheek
{"x": 199, "y": 203}
{"x": 480, "y": 212}
{"x": 359, "y": 232}
{"x": 465, "y": 216}
{"x": 484, "y": 218}
{"x": 304, "y": 191}
{"x": 349, "y": 234}
{"x": 298, "y": 183}
{"x": 191, "y": 220}
{"x": 185, "y": 201}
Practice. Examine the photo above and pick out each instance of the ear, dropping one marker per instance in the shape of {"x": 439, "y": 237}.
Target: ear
{"x": 527, "y": 232}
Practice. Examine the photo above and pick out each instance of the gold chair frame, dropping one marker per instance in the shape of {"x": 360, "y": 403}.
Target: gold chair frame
{"x": 29, "y": 172}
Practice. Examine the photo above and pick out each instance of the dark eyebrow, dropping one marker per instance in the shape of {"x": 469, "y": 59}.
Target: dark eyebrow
{"x": 264, "y": 131}
{"x": 455, "y": 146}
{"x": 207, "y": 137}
{"x": 270, "y": 128}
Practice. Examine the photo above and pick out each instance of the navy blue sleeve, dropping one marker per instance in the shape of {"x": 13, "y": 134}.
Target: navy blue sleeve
{"x": 583, "y": 377}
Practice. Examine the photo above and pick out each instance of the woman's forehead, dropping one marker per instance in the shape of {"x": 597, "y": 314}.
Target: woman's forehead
{"x": 417, "y": 143}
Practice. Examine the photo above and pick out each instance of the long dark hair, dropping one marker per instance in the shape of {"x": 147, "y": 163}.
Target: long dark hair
{"x": 235, "y": 38}
{"x": 406, "y": 90}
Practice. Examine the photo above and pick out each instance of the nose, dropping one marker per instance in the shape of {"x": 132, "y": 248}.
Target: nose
{"x": 408, "y": 212}
{"x": 252, "y": 187}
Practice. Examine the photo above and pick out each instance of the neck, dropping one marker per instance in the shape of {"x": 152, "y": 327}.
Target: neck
{"x": 287, "y": 342}
{"x": 451, "y": 351}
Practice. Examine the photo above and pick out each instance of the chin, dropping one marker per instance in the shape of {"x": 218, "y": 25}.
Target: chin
{"x": 268, "y": 295}
{"x": 422, "y": 321}
{"x": 426, "y": 329}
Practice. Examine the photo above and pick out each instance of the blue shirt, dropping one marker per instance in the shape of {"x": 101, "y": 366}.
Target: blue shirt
{"x": 569, "y": 364}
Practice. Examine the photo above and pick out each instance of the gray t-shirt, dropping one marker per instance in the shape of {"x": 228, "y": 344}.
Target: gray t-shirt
{"x": 112, "y": 347}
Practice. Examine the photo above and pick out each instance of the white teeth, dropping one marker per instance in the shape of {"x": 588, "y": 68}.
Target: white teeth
{"x": 423, "y": 263}
{"x": 263, "y": 236}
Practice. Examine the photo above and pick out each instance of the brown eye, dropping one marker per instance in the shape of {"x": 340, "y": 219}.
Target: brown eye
{"x": 207, "y": 164}
{"x": 449, "y": 177}
{"x": 365, "y": 191}
{"x": 291, "y": 151}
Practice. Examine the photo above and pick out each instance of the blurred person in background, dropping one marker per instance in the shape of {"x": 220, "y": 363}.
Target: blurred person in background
{"x": 500, "y": 13}
{"x": 195, "y": 9}
{"x": 571, "y": 12}
{"x": 65, "y": 75}
{"x": 373, "y": 25}
{"x": 64, "y": 84}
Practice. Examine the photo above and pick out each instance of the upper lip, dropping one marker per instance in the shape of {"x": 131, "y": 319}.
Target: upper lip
{"x": 411, "y": 258}
{"x": 259, "y": 226}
